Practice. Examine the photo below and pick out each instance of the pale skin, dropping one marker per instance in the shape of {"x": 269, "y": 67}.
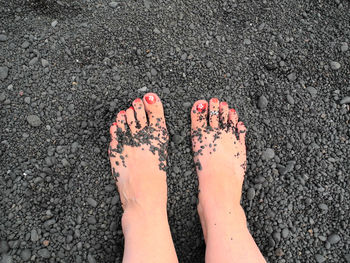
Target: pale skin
{"x": 138, "y": 158}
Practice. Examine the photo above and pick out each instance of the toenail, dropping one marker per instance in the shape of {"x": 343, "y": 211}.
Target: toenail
{"x": 215, "y": 100}
{"x": 233, "y": 110}
{"x": 224, "y": 103}
{"x": 137, "y": 100}
{"x": 114, "y": 123}
{"x": 150, "y": 99}
{"x": 131, "y": 108}
{"x": 122, "y": 112}
{"x": 201, "y": 107}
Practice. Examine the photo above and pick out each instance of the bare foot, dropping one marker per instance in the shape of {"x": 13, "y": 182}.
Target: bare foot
{"x": 138, "y": 154}
{"x": 220, "y": 157}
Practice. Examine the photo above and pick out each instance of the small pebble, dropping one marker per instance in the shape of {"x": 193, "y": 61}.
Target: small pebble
{"x": 26, "y": 254}
{"x": 268, "y": 154}
{"x": 262, "y": 103}
{"x": 54, "y": 23}
{"x": 251, "y": 193}
{"x": 65, "y": 162}
{"x": 345, "y": 100}
{"x": 335, "y": 65}
{"x": 143, "y": 89}
{"x": 6, "y": 259}
{"x": 44, "y": 63}
{"x": 279, "y": 252}
{"x": 4, "y": 71}
{"x": 285, "y": 232}
{"x": 113, "y": 4}
{"x": 91, "y": 220}
{"x": 323, "y": 207}
{"x": 153, "y": 72}
{"x": 4, "y": 247}
{"x": 322, "y": 238}
{"x": 25, "y": 44}
{"x": 156, "y": 31}
{"x": 34, "y": 120}
{"x": 209, "y": 64}
{"x": 247, "y": 41}
{"x": 3, "y": 38}
{"x": 187, "y": 104}
{"x": 312, "y": 91}
{"x": 292, "y": 76}
{"x": 290, "y": 99}
{"x": 44, "y": 253}
{"x": 33, "y": 61}
{"x": 333, "y": 239}
{"x": 34, "y": 235}
{"x": 91, "y": 259}
{"x": 344, "y": 47}
{"x": 177, "y": 138}
{"x": 319, "y": 258}
{"x": 147, "y": 4}
{"x": 91, "y": 202}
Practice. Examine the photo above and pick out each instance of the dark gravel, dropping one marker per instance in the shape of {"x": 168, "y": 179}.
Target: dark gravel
{"x": 67, "y": 67}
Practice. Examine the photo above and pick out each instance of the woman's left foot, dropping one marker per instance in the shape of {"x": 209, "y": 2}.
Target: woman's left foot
{"x": 138, "y": 153}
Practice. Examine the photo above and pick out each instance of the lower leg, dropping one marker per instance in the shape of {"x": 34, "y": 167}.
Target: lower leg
{"x": 227, "y": 237}
{"x": 147, "y": 236}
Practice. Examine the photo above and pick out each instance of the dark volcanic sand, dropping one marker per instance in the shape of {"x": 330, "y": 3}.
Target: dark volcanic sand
{"x": 67, "y": 67}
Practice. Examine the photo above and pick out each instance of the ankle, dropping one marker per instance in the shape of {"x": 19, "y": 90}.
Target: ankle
{"x": 232, "y": 216}
{"x": 141, "y": 213}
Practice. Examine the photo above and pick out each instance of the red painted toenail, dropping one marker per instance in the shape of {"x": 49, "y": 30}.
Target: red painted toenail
{"x": 122, "y": 112}
{"x": 131, "y": 108}
{"x": 233, "y": 110}
{"x": 224, "y": 103}
{"x": 137, "y": 100}
{"x": 114, "y": 123}
{"x": 150, "y": 99}
{"x": 215, "y": 100}
{"x": 201, "y": 107}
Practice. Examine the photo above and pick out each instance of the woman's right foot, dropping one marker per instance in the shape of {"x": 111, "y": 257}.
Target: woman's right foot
{"x": 218, "y": 143}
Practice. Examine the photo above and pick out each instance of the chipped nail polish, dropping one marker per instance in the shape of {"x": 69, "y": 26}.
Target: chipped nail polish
{"x": 150, "y": 99}
{"x": 137, "y": 100}
{"x": 122, "y": 112}
{"x": 201, "y": 107}
{"x": 215, "y": 100}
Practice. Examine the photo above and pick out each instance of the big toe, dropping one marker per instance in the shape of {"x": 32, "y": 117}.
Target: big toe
{"x": 154, "y": 109}
{"x": 199, "y": 113}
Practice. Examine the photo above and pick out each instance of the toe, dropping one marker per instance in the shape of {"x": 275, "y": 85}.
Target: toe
{"x": 199, "y": 113}
{"x": 140, "y": 112}
{"x": 113, "y": 131}
{"x": 154, "y": 109}
{"x": 214, "y": 113}
{"x": 241, "y": 129}
{"x": 121, "y": 121}
{"x": 233, "y": 118}
{"x": 223, "y": 113}
{"x": 130, "y": 118}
